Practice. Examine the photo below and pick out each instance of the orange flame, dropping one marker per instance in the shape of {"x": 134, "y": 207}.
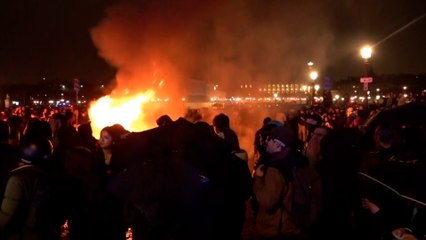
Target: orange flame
{"x": 126, "y": 110}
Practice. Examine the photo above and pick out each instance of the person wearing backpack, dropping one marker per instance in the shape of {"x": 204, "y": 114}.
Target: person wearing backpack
{"x": 274, "y": 187}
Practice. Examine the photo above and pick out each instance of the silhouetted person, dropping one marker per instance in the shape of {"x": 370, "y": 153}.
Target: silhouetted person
{"x": 9, "y": 156}
{"x": 164, "y": 120}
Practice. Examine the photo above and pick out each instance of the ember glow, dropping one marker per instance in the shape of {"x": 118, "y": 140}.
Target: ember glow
{"x": 127, "y": 110}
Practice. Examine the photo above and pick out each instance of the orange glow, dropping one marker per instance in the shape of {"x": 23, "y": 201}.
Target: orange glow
{"x": 127, "y": 110}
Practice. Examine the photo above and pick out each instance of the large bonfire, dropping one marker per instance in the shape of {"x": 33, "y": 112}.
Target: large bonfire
{"x": 127, "y": 110}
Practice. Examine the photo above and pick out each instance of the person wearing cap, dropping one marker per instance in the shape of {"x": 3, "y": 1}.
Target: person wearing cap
{"x": 272, "y": 184}
{"x": 25, "y": 210}
{"x": 261, "y": 137}
{"x": 312, "y": 122}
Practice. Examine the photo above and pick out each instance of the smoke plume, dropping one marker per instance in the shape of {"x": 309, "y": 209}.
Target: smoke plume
{"x": 223, "y": 42}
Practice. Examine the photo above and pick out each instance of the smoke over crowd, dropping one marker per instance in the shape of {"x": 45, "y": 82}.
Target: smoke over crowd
{"x": 221, "y": 42}
{"x": 161, "y": 45}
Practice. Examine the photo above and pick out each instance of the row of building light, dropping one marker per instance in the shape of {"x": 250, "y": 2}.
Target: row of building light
{"x": 284, "y": 88}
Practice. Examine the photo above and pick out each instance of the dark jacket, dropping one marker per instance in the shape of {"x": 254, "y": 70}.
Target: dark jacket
{"x": 25, "y": 212}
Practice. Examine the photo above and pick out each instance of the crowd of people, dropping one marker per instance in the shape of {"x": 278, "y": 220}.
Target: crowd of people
{"x": 305, "y": 179}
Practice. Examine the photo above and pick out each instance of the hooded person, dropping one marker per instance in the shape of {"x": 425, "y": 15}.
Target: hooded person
{"x": 272, "y": 185}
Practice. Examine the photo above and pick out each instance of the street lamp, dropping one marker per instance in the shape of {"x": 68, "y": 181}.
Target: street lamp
{"x": 366, "y": 53}
{"x": 313, "y": 75}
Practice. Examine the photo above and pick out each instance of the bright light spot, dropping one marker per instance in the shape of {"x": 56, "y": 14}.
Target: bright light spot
{"x": 366, "y": 52}
{"x": 313, "y": 75}
{"x": 317, "y": 87}
{"x": 126, "y": 111}
{"x": 161, "y": 84}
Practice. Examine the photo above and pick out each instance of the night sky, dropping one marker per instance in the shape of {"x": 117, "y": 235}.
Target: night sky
{"x": 220, "y": 41}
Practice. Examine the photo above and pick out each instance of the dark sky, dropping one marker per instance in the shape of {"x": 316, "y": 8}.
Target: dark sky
{"x": 220, "y": 41}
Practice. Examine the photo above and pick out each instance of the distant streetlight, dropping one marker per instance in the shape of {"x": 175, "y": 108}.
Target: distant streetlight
{"x": 313, "y": 75}
{"x": 316, "y": 87}
{"x": 366, "y": 53}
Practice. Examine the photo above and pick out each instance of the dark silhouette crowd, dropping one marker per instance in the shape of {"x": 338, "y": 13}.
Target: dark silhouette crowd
{"x": 318, "y": 173}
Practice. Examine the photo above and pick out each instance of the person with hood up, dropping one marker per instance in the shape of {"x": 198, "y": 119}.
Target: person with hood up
{"x": 272, "y": 185}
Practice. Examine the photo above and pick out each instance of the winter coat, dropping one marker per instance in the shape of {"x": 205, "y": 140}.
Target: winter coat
{"x": 24, "y": 213}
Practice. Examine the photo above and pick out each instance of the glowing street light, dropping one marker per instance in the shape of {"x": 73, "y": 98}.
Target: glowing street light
{"x": 317, "y": 87}
{"x": 313, "y": 75}
{"x": 366, "y": 52}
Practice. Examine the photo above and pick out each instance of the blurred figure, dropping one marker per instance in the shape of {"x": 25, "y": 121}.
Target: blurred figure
{"x": 337, "y": 168}
{"x": 17, "y": 126}
{"x": 163, "y": 120}
{"x": 193, "y": 115}
{"x": 273, "y": 188}
{"x": 109, "y": 208}
{"x": 87, "y": 139}
{"x": 221, "y": 126}
{"x": 312, "y": 121}
{"x": 261, "y": 137}
{"x": 9, "y": 156}
{"x": 38, "y": 128}
{"x": 104, "y": 153}
{"x": 26, "y": 208}
{"x": 313, "y": 149}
